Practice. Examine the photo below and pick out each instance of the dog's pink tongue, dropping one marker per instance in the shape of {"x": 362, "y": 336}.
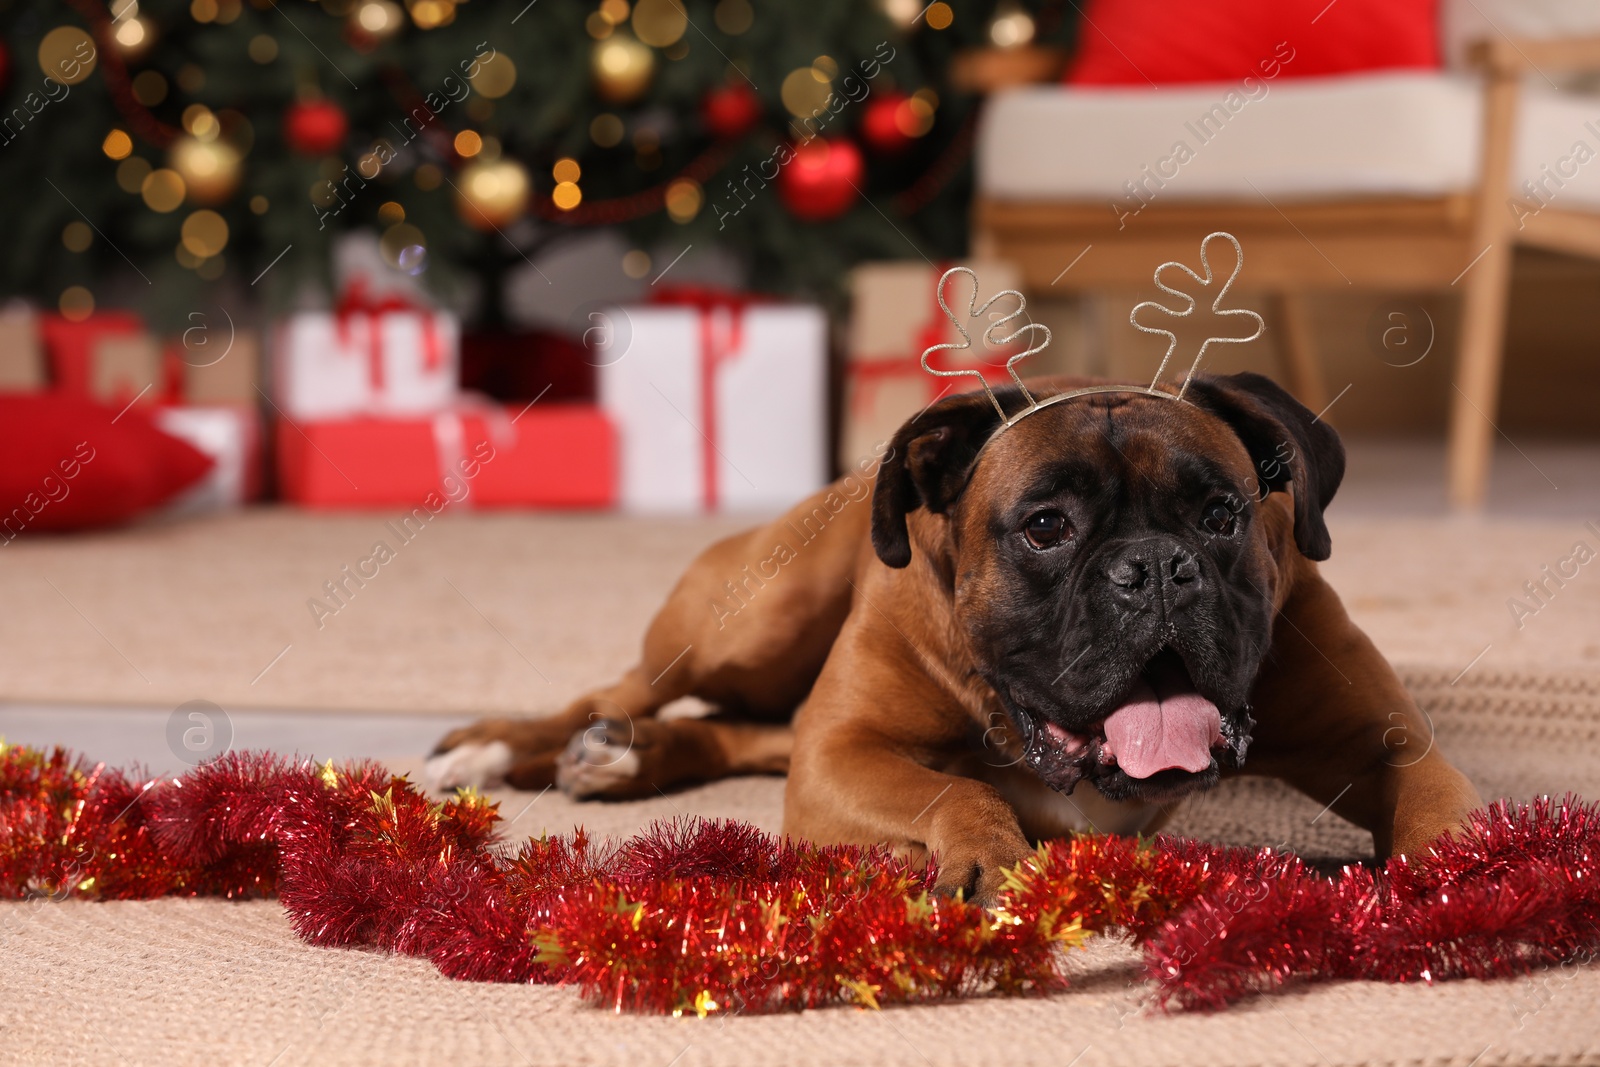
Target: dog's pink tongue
{"x": 1165, "y": 724}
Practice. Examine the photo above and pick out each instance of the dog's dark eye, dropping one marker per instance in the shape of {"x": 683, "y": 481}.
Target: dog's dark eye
{"x": 1218, "y": 518}
{"x": 1046, "y": 529}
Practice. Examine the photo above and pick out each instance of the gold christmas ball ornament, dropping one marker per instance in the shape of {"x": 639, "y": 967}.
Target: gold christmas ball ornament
{"x": 492, "y": 193}
{"x": 67, "y": 55}
{"x": 622, "y": 68}
{"x": 210, "y": 169}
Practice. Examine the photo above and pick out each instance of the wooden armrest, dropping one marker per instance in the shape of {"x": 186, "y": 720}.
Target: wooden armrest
{"x": 1512, "y": 56}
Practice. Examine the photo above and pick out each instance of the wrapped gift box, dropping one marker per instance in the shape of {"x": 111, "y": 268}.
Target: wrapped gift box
{"x": 218, "y": 368}
{"x": 367, "y": 357}
{"x": 127, "y": 369}
{"x": 544, "y": 455}
{"x": 231, "y": 435}
{"x": 76, "y": 348}
{"x": 720, "y": 404}
{"x": 22, "y": 367}
{"x": 895, "y": 316}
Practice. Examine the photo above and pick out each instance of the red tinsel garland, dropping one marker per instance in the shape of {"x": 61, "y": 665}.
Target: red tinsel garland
{"x": 702, "y": 916}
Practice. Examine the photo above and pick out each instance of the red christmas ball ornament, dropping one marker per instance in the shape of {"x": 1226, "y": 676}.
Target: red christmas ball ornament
{"x": 731, "y": 110}
{"x": 820, "y": 182}
{"x": 883, "y": 125}
{"x": 315, "y": 128}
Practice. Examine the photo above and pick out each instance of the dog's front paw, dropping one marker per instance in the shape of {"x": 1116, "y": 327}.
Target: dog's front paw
{"x": 973, "y": 865}
{"x": 520, "y": 753}
{"x": 471, "y": 764}
{"x": 605, "y": 760}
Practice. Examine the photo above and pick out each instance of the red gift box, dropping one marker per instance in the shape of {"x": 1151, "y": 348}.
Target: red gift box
{"x": 555, "y": 456}
{"x": 71, "y": 346}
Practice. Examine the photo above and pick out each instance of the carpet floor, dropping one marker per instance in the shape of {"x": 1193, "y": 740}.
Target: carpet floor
{"x": 519, "y": 613}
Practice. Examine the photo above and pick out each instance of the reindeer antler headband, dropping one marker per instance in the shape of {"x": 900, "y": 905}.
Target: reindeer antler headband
{"x": 1034, "y": 329}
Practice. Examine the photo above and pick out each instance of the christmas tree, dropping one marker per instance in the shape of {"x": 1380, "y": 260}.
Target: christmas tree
{"x": 152, "y": 151}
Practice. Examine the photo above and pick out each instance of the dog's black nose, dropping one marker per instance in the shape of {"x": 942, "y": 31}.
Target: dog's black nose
{"x": 1153, "y": 574}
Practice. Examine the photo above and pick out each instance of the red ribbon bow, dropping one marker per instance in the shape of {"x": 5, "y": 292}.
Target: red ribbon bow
{"x": 358, "y": 300}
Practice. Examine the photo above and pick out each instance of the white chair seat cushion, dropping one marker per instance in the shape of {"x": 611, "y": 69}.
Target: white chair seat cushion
{"x": 1399, "y": 134}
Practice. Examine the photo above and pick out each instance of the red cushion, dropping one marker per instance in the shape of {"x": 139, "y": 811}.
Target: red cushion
{"x": 1168, "y": 42}
{"x": 68, "y": 466}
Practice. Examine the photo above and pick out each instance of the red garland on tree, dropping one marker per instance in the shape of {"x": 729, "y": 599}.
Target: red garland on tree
{"x": 314, "y": 127}
{"x": 820, "y": 182}
{"x": 702, "y": 916}
{"x": 730, "y": 110}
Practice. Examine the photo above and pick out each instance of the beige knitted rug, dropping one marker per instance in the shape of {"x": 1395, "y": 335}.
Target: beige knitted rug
{"x": 207, "y": 982}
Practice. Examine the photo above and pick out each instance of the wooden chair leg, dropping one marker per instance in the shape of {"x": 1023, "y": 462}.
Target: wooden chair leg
{"x": 1475, "y": 398}
{"x": 1297, "y": 351}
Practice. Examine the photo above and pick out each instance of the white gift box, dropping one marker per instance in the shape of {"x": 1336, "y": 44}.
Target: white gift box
{"x": 723, "y": 409}
{"x": 367, "y": 362}
{"x": 896, "y": 315}
{"x": 231, "y": 435}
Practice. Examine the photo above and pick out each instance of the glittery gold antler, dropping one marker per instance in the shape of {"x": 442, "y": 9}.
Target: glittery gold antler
{"x": 992, "y": 334}
{"x": 1216, "y": 308}
{"x": 1030, "y": 328}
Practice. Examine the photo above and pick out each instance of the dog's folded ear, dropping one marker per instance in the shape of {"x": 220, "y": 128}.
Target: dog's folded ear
{"x": 1287, "y": 442}
{"x": 927, "y": 466}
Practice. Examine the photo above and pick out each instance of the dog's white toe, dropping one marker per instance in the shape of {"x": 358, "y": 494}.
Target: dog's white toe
{"x": 472, "y": 764}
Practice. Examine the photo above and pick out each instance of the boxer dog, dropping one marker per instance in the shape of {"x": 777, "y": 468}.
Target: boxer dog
{"x": 1070, "y": 624}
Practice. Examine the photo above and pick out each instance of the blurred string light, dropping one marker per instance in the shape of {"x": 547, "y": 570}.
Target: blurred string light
{"x": 734, "y": 17}
{"x": 205, "y": 233}
{"x": 76, "y": 304}
{"x": 117, "y": 145}
{"x": 1011, "y": 27}
{"x": 684, "y": 199}
{"x": 902, "y": 12}
{"x": 379, "y": 18}
{"x": 636, "y": 263}
{"x": 939, "y": 16}
{"x": 60, "y": 53}
{"x": 131, "y": 173}
{"x": 606, "y": 130}
{"x": 915, "y": 117}
{"x": 219, "y": 11}
{"x": 659, "y": 23}
{"x": 149, "y": 87}
{"x": 495, "y": 76}
{"x": 391, "y": 212}
{"x": 468, "y": 144}
{"x": 77, "y": 236}
{"x": 132, "y": 32}
{"x": 404, "y": 247}
{"x": 806, "y": 90}
{"x": 163, "y": 190}
{"x": 263, "y": 48}
{"x": 431, "y": 14}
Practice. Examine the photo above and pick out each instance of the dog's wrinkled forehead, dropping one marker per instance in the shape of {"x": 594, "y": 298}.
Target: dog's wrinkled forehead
{"x": 1147, "y": 444}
